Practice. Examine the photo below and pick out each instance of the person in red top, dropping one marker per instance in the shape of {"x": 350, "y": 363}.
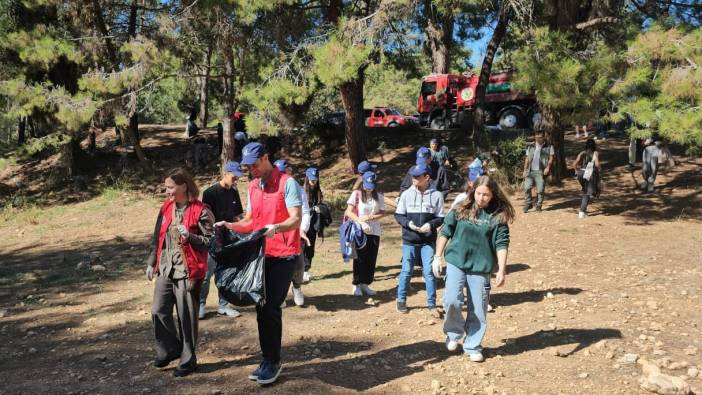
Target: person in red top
{"x": 178, "y": 260}
{"x": 275, "y": 204}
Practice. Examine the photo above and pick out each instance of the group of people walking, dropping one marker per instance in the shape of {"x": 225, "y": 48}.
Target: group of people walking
{"x": 464, "y": 246}
{"x": 284, "y": 209}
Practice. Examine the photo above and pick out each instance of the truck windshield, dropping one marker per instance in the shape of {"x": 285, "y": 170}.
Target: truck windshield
{"x": 428, "y": 88}
{"x": 392, "y": 111}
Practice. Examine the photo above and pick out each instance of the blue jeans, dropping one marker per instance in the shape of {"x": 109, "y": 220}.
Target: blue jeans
{"x": 409, "y": 256}
{"x": 211, "y": 265}
{"x": 455, "y": 326}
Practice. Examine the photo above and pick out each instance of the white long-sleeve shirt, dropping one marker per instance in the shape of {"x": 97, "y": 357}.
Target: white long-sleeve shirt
{"x": 306, "y": 217}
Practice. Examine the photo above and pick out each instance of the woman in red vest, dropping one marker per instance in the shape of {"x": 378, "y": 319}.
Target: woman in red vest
{"x": 178, "y": 260}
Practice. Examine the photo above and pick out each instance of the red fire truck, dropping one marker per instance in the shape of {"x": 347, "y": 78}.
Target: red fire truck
{"x": 447, "y": 101}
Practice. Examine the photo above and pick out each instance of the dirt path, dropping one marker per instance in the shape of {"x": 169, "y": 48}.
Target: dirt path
{"x": 580, "y": 295}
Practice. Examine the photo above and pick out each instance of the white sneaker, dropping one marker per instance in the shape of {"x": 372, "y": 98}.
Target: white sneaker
{"x": 582, "y": 214}
{"x": 451, "y": 345}
{"x": 306, "y": 277}
{"x": 201, "y": 313}
{"x": 476, "y": 357}
{"x": 228, "y": 311}
{"x": 367, "y": 290}
{"x": 490, "y": 308}
{"x": 298, "y": 296}
{"x": 357, "y": 291}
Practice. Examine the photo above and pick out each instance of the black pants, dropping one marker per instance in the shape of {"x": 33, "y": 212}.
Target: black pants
{"x": 279, "y": 272}
{"x": 309, "y": 250}
{"x": 171, "y": 339}
{"x": 364, "y": 265}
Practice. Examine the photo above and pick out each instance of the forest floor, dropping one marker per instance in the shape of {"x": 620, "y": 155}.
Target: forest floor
{"x": 582, "y": 297}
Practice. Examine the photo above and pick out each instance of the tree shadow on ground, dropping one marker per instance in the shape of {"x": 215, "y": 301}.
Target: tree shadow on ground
{"x": 343, "y": 273}
{"x": 505, "y": 299}
{"x": 297, "y": 352}
{"x": 379, "y": 368}
{"x": 338, "y": 302}
{"x": 49, "y": 271}
{"x": 517, "y": 267}
{"x": 560, "y": 337}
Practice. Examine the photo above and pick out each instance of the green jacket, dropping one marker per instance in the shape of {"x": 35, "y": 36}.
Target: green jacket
{"x": 473, "y": 246}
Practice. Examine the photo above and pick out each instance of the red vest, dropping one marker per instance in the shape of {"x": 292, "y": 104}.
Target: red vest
{"x": 195, "y": 260}
{"x": 268, "y": 207}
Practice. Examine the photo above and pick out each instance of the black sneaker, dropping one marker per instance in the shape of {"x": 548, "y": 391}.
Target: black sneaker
{"x": 161, "y": 363}
{"x": 254, "y": 375}
{"x": 182, "y": 371}
{"x": 269, "y": 374}
{"x": 526, "y": 208}
{"x": 402, "y": 307}
{"x": 538, "y": 209}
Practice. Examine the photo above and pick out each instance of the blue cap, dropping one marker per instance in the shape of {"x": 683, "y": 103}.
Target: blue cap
{"x": 434, "y": 141}
{"x": 474, "y": 173}
{"x": 251, "y": 153}
{"x": 312, "y": 174}
{"x": 234, "y": 168}
{"x": 240, "y": 136}
{"x": 423, "y": 153}
{"x": 365, "y": 166}
{"x": 419, "y": 170}
{"x": 369, "y": 180}
{"x": 282, "y": 164}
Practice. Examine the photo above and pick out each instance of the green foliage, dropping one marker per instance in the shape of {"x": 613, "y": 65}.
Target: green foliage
{"x": 572, "y": 82}
{"x": 40, "y": 48}
{"x": 338, "y": 61}
{"x": 387, "y": 86}
{"x": 160, "y": 105}
{"x": 512, "y": 157}
{"x": 48, "y": 145}
{"x": 662, "y": 85}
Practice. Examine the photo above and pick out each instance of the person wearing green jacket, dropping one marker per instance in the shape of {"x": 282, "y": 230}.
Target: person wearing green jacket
{"x": 478, "y": 231}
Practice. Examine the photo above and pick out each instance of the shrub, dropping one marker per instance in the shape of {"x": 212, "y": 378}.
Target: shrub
{"x": 511, "y": 158}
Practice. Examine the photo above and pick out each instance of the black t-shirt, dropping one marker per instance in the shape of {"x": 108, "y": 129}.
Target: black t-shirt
{"x": 224, "y": 203}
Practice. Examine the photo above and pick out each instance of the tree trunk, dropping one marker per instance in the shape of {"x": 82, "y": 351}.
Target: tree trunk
{"x": 69, "y": 155}
{"x": 133, "y": 129}
{"x": 352, "y": 100}
{"x": 479, "y": 137}
{"x": 333, "y": 11}
{"x": 91, "y": 138}
{"x": 228, "y": 148}
{"x": 439, "y": 31}
{"x": 102, "y": 28}
{"x": 21, "y": 128}
{"x": 555, "y": 137}
{"x": 204, "y": 88}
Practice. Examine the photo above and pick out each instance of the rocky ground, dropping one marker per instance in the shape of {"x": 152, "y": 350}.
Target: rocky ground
{"x": 608, "y": 304}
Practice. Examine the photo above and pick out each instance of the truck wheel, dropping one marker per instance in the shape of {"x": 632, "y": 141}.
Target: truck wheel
{"x": 511, "y": 118}
{"x": 393, "y": 125}
{"x": 438, "y": 123}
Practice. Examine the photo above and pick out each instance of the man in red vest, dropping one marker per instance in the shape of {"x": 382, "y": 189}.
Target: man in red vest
{"x": 274, "y": 203}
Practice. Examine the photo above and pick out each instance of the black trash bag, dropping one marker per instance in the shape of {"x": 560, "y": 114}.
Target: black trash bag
{"x": 240, "y": 274}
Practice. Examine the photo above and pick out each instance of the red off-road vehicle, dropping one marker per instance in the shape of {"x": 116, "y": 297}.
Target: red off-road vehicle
{"x": 384, "y": 117}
